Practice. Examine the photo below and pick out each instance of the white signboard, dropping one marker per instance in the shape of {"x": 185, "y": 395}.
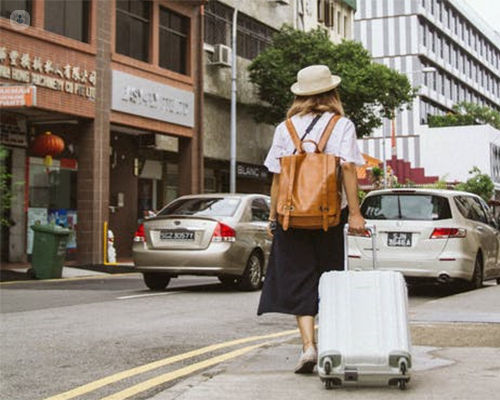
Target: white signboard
{"x": 139, "y": 96}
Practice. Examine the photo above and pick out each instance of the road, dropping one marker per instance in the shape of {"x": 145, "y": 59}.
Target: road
{"x": 67, "y": 335}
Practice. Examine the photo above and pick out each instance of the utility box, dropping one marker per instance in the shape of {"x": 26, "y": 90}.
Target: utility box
{"x": 49, "y": 251}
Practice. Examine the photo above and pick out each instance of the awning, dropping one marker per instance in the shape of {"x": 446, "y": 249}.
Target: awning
{"x": 370, "y": 162}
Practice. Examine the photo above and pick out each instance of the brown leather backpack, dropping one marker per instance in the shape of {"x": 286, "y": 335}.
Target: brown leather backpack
{"x": 309, "y": 184}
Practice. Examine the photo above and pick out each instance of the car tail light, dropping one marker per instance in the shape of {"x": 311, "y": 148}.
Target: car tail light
{"x": 223, "y": 233}
{"x": 445, "y": 233}
{"x": 366, "y": 233}
{"x": 139, "y": 234}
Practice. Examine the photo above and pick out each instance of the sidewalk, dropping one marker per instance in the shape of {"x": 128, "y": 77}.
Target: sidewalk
{"x": 456, "y": 356}
{"x": 18, "y": 271}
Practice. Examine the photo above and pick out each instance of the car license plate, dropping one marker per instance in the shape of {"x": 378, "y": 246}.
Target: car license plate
{"x": 399, "y": 239}
{"x": 176, "y": 235}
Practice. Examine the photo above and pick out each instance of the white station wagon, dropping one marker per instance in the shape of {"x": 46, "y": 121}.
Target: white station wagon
{"x": 429, "y": 234}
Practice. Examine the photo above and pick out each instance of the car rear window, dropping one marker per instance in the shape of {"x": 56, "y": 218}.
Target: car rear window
{"x": 420, "y": 207}
{"x": 207, "y": 206}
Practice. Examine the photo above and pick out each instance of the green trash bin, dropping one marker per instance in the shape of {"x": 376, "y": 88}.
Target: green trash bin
{"x": 49, "y": 251}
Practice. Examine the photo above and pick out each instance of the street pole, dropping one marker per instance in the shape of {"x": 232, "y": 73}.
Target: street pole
{"x": 385, "y": 161}
{"x": 232, "y": 172}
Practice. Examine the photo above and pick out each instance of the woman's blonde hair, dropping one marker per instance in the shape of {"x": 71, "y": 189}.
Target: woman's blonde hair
{"x": 317, "y": 104}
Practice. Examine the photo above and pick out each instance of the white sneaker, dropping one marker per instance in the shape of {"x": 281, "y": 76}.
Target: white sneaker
{"x": 307, "y": 361}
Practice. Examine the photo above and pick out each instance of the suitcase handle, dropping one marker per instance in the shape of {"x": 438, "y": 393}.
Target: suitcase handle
{"x": 373, "y": 233}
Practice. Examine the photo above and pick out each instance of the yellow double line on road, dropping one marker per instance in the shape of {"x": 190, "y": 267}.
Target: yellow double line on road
{"x": 170, "y": 376}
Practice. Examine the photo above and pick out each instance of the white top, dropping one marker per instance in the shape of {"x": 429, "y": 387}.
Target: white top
{"x": 342, "y": 142}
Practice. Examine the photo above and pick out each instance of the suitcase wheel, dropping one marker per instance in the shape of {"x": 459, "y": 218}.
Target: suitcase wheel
{"x": 331, "y": 383}
{"x": 328, "y": 366}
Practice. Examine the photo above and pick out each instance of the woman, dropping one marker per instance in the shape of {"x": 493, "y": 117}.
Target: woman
{"x": 299, "y": 256}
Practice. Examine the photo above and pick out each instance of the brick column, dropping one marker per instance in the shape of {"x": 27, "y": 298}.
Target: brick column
{"x": 93, "y": 157}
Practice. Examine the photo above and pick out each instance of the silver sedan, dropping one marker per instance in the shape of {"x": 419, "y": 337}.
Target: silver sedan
{"x": 218, "y": 234}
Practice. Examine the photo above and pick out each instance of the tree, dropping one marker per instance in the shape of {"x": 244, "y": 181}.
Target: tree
{"x": 369, "y": 91}
{"x": 465, "y": 113}
{"x": 480, "y": 184}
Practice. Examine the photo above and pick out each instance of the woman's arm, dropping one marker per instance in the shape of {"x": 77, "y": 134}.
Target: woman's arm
{"x": 273, "y": 214}
{"x": 350, "y": 181}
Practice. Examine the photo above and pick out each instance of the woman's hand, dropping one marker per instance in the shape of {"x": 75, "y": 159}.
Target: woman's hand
{"x": 271, "y": 227}
{"x": 356, "y": 223}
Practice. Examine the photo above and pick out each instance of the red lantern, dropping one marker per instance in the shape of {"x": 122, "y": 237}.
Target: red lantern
{"x": 47, "y": 146}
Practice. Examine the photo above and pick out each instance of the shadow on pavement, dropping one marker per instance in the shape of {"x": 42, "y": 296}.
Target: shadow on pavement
{"x": 8, "y": 275}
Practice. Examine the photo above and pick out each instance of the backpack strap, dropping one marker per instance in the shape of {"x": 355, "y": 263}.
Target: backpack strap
{"x": 324, "y": 196}
{"x": 294, "y": 135}
{"x": 289, "y": 206}
{"x": 328, "y": 132}
{"x": 321, "y": 146}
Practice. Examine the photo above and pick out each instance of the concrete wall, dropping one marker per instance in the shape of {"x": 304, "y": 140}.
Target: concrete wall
{"x": 272, "y": 13}
{"x": 451, "y": 152}
{"x": 253, "y": 139}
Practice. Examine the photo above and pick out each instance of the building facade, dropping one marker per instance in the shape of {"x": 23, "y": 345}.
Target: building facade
{"x": 120, "y": 82}
{"x": 139, "y": 92}
{"x": 444, "y": 48}
{"x": 256, "y": 23}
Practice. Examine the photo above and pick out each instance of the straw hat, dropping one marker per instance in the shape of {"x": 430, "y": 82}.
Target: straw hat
{"x": 314, "y": 79}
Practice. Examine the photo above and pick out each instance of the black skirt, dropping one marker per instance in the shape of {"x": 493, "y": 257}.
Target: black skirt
{"x": 297, "y": 260}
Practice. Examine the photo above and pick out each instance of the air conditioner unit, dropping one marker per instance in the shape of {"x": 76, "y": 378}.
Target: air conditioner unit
{"x": 222, "y": 55}
{"x": 279, "y": 1}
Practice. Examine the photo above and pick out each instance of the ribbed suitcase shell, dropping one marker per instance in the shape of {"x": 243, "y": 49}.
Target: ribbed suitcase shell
{"x": 363, "y": 334}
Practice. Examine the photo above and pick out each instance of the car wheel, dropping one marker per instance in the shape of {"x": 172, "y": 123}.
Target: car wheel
{"x": 252, "y": 277}
{"x": 156, "y": 281}
{"x": 477, "y": 277}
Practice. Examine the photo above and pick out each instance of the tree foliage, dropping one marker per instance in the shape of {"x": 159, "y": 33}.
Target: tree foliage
{"x": 480, "y": 184}
{"x": 369, "y": 91}
{"x": 465, "y": 113}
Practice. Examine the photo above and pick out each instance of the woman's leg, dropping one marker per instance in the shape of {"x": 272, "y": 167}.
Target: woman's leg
{"x": 306, "y": 327}
{"x": 309, "y": 355}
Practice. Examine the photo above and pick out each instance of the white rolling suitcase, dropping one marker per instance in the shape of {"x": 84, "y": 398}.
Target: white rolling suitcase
{"x": 363, "y": 334}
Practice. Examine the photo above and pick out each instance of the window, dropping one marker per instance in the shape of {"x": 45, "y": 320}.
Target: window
{"x": 253, "y": 36}
{"x": 52, "y": 198}
{"x": 321, "y": 11}
{"x": 174, "y": 41}
{"x": 218, "y": 21}
{"x": 423, "y": 33}
{"x": 260, "y": 210}
{"x": 328, "y": 13}
{"x": 68, "y": 18}
{"x": 406, "y": 207}
{"x": 8, "y": 6}
{"x": 133, "y": 28}
{"x": 439, "y": 10}
{"x": 471, "y": 208}
{"x": 205, "y": 206}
